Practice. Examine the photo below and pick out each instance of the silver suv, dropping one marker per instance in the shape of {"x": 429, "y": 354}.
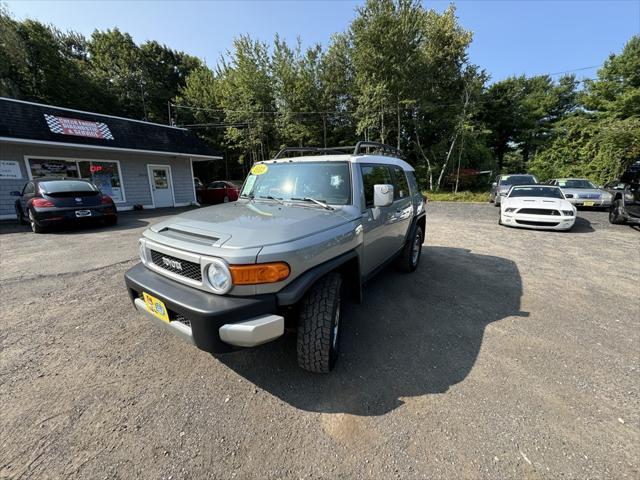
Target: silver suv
{"x": 306, "y": 233}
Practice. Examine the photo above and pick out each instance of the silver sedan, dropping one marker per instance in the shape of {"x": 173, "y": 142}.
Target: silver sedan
{"x": 582, "y": 192}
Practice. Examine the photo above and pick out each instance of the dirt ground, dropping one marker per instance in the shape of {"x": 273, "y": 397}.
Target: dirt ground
{"x": 508, "y": 354}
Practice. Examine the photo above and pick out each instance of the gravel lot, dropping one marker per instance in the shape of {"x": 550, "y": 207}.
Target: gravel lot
{"x": 508, "y": 354}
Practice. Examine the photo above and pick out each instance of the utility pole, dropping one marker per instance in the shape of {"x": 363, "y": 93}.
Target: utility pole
{"x": 324, "y": 128}
{"x": 169, "y": 112}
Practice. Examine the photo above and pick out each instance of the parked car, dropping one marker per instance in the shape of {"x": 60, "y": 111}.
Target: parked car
{"x": 217, "y": 192}
{"x": 503, "y": 183}
{"x": 625, "y": 206}
{"x": 582, "y": 192}
{"x": 44, "y": 202}
{"x": 538, "y": 207}
{"x": 305, "y": 234}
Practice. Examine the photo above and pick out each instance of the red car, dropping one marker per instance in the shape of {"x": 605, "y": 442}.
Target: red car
{"x": 217, "y": 192}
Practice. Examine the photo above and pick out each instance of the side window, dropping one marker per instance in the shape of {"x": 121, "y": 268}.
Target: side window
{"x": 217, "y": 185}
{"x": 400, "y": 187}
{"x": 29, "y": 189}
{"x": 374, "y": 175}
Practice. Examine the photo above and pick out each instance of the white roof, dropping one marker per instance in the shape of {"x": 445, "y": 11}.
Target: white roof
{"x": 381, "y": 159}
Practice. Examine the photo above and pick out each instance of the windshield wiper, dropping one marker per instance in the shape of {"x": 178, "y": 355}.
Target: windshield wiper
{"x": 249, "y": 196}
{"x": 317, "y": 202}
{"x": 271, "y": 197}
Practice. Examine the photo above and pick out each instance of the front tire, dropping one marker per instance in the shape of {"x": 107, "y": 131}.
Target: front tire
{"x": 225, "y": 199}
{"x": 319, "y": 325}
{"x": 35, "y": 227}
{"x": 616, "y": 217}
{"x": 20, "y": 215}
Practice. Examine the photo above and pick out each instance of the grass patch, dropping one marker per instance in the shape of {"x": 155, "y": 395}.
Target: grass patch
{"x": 458, "y": 197}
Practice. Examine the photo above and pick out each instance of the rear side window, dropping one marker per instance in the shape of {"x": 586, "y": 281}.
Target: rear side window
{"x": 374, "y": 175}
{"x": 400, "y": 187}
{"x": 413, "y": 181}
{"x": 29, "y": 189}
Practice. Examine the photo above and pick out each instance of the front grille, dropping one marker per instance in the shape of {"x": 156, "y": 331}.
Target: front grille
{"x": 539, "y": 211}
{"x": 590, "y": 196}
{"x": 537, "y": 224}
{"x": 178, "y": 266}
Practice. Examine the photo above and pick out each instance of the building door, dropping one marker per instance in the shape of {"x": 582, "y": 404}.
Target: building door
{"x": 161, "y": 185}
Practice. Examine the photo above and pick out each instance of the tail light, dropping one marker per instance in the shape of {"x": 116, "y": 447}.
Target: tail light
{"x": 106, "y": 200}
{"x": 41, "y": 203}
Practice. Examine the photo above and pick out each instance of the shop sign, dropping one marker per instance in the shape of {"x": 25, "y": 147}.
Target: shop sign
{"x": 78, "y": 128}
{"x": 10, "y": 169}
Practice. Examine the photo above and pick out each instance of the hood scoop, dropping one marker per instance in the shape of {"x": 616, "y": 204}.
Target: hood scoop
{"x": 188, "y": 236}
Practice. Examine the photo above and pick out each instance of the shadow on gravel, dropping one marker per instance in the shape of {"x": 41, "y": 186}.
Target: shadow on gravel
{"x": 415, "y": 334}
{"x": 582, "y": 225}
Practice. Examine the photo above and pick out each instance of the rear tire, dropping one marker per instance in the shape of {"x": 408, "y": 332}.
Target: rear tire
{"x": 225, "y": 199}
{"x": 318, "y": 325}
{"x": 34, "y": 225}
{"x": 410, "y": 258}
{"x": 616, "y": 216}
{"x": 111, "y": 221}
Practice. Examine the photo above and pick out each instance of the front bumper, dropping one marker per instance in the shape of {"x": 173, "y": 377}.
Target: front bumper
{"x": 539, "y": 222}
{"x": 590, "y": 202}
{"x": 214, "y": 323}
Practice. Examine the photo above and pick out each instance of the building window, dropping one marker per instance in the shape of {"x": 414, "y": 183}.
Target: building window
{"x": 104, "y": 174}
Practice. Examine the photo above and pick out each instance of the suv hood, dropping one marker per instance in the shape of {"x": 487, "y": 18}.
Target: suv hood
{"x": 247, "y": 224}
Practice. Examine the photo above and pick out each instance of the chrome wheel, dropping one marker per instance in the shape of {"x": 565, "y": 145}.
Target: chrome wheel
{"x": 225, "y": 199}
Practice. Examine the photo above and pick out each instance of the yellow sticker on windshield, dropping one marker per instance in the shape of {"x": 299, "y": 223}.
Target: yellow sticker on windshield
{"x": 259, "y": 169}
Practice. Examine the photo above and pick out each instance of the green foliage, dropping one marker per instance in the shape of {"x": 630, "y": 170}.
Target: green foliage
{"x": 462, "y": 196}
{"x": 399, "y": 74}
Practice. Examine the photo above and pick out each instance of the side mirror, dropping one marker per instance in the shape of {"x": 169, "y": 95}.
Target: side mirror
{"x": 494, "y": 184}
{"x": 15, "y": 193}
{"x": 382, "y": 195}
{"x": 568, "y": 195}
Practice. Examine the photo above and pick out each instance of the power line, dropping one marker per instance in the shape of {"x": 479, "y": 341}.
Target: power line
{"x": 574, "y": 70}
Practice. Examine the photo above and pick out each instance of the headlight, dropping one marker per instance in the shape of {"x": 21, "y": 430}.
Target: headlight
{"x": 141, "y": 252}
{"x": 568, "y": 213}
{"x": 509, "y": 210}
{"x": 219, "y": 277}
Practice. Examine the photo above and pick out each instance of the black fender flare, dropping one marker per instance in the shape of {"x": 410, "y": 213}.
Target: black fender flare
{"x": 293, "y": 292}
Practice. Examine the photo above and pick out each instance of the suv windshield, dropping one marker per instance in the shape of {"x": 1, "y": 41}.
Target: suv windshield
{"x": 328, "y": 182}
{"x": 576, "y": 184}
{"x": 518, "y": 180}
{"x": 551, "y": 192}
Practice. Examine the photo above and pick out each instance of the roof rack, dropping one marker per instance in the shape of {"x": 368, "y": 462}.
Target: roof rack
{"x": 361, "y": 148}
{"x": 379, "y": 148}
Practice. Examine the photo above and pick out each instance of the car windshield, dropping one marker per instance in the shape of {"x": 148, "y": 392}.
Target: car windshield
{"x": 518, "y": 180}
{"x": 575, "y": 184}
{"x": 64, "y": 186}
{"x": 538, "y": 191}
{"x": 328, "y": 182}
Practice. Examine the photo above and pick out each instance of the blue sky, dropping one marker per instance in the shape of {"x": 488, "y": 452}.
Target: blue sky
{"x": 510, "y": 37}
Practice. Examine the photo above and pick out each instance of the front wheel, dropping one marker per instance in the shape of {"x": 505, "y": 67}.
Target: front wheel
{"x": 319, "y": 325}
{"x": 225, "y": 199}
{"x": 615, "y": 213}
{"x": 20, "y": 215}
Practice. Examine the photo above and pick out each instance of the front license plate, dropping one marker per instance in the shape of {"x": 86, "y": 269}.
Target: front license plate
{"x": 156, "y": 307}
{"x": 589, "y": 204}
{"x": 83, "y": 213}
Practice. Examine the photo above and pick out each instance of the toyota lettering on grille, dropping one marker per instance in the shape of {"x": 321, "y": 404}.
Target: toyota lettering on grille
{"x": 172, "y": 263}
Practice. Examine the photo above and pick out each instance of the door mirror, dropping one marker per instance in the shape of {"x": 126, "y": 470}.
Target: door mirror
{"x": 494, "y": 184}
{"x": 15, "y": 193}
{"x": 568, "y": 195}
{"x": 382, "y": 195}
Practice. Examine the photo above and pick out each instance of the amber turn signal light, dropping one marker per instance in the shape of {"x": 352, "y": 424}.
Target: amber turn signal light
{"x": 259, "y": 273}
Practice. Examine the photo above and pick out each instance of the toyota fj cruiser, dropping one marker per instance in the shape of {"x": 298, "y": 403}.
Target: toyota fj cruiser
{"x": 306, "y": 232}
